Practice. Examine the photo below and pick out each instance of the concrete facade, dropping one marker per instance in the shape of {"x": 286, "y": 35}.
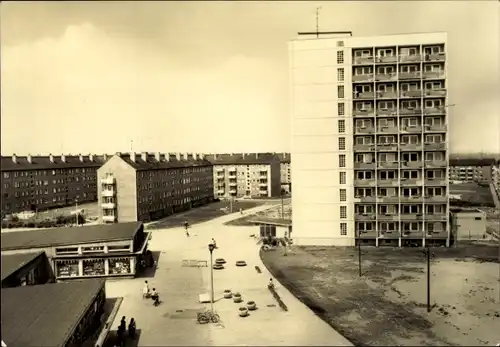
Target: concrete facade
{"x": 468, "y": 224}
{"x": 369, "y": 139}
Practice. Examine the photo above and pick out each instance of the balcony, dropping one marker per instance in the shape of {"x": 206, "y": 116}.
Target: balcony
{"x": 411, "y": 217}
{"x": 410, "y": 182}
{"x": 370, "y": 166}
{"x": 433, "y": 75}
{"x": 435, "y": 182}
{"x": 412, "y": 164}
{"x": 439, "y": 146}
{"x": 109, "y": 219}
{"x": 366, "y": 234}
{"x": 364, "y": 113}
{"x": 410, "y": 94}
{"x": 410, "y": 58}
{"x": 387, "y": 112}
{"x": 411, "y": 146}
{"x": 232, "y": 174}
{"x": 232, "y": 191}
{"x": 388, "y": 130}
{"x": 220, "y": 174}
{"x": 364, "y": 130}
{"x": 108, "y": 180}
{"x": 108, "y": 193}
{"x": 387, "y": 147}
{"x": 386, "y": 59}
{"x": 365, "y": 217}
{"x": 387, "y": 164}
{"x": 437, "y": 198}
{"x": 394, "y": 199}
{"x": 365, "y": 199}
{"x": 388, "y": 234}
{"x": 363, "y": 96}
{"x": 108, "y": 205}
{"x": 410, "y": 111}
{"x": 435, "y": 92}
{"x": 438, "y": 128}
{"x": 435, "y": 57}
{"x": 233, "y": 184}
{"x": 220, "y": 191}
{"x": 411, "y": 129}
{"x": 436, "y": 234}
{"x": 436, "y": 217}
{"x": 364, "y": 183}
{"x": 363, "y": 78}
{"x": 388, "y": 183}
{"x": 363, "y": 61}
{"x": 364, "y": 148}
{"x": 386, "y": 95}
{"x": 415, "y": 75}
{"x": 413, "y": 199}
{"x": 435, "y": 164}
{"x": 263, "y": 184}
{"x": 388, "y": 217}
{"x": 413, "y": 234}
{"x": 386, "y": 77}
{"x": 435, "y": 111}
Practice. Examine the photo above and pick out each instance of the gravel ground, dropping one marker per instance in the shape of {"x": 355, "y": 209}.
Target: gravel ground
{"x": 274, "y": 212}
{"x": 387, "y": 305}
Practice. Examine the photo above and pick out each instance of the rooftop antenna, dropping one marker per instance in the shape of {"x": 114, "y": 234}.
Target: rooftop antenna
{"x": 131, "y": 145}
{"x": 318, "y": 8}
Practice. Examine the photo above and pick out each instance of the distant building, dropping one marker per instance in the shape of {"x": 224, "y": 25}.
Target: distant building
{"x": 43, "y": 182}
{"x": 470, "y": 170}
{"x": 468, "y": 224}
{"x": 495, "y": 177}
{"x": 146, "y": 186}
{"x": 246, "y": 174}
{"x": 285, "y": 169}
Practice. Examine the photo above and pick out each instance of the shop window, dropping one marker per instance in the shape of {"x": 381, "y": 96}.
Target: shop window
{"x": 67, "y": 268}
{"x": 66, "y": 250}
{"x": 93, "y": 249}
{"x": 118, "y": 266}
{"x": 93, "y": 267}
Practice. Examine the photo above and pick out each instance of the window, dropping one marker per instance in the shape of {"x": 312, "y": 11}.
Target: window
{"x": 343, "y": 177}
{"x": 341, "y": 143}
{"x": 343, "y": 229}
{"x": 340, "y": 74}
{"x": 343, "y": 212}
{"x": 93, "y": 267}
{"x": 341, "y": 109}
{"x": 341, "y": 126}
{"x": 340, "y": 92}
{"x": 340, "y": 57}
{"x": 118, "y": 266}
{"x": 364, "y": 175}
{"x": 343, "y": 194}
{"x": 67, "y": 268}
{"x": 341, "y": 160}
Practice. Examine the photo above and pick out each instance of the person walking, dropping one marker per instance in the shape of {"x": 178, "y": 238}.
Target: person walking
{"x": 145, "y": 290}
{"x": 131, "y": 329}
{"x": 186, "y": 226}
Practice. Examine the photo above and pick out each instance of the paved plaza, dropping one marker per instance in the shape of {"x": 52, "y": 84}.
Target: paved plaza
{"x": 174, "y": 321}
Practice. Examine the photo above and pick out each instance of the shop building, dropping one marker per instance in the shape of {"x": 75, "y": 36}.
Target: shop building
{"x": 26, "y": 269}
{"x": 56, "y": 314}
{"x": 105, "y": 250}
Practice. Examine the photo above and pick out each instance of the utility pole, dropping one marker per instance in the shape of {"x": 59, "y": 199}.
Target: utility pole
{"x": 211, "y": 248}
{"x": 427, "y": 252}
{"x": 282, "y": 204}
{"x": 318, "y": 8}
{"x": 359, "y": 253}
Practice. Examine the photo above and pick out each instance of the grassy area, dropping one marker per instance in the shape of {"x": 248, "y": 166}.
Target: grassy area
{"x": 387, "y": 305}
{"x": 473, "y": 193}
{"x": 204, "y": 213}
{"x": 274, "y": 212}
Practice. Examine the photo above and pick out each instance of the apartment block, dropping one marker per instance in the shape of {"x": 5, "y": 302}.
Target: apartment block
{"x": 370, "y": 139}
{"x": 148, "y": 186}
{"x": 246, "y": 174}
{"x": 44, "y": 182}
{"x": 285, "y": 171}
{"x": 495, "y": 177}
{"x": 471, "y": 170}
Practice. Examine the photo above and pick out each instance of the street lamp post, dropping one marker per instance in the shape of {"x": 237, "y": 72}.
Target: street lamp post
{"x": 211, "y": 248}
{"x": 359, "y": 253}
{"x": 282, "y": 205}
{"x": 428, "y": 256}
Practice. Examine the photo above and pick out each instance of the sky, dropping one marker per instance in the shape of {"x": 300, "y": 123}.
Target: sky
{"x": 94, "y": 77}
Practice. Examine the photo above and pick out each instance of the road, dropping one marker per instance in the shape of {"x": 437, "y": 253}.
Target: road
{"x": 174, "y": 321}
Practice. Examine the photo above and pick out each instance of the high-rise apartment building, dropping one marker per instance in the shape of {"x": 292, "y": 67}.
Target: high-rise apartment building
{"x": 286, "y": 171}
{"x": 246, "y": 174}
{"x": 148, "y": 186}
{"x": 370, "y": 146}
{"x": 43, "y": 182}
{"x": 471, "y": 170}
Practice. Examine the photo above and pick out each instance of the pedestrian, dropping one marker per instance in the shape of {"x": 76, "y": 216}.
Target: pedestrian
{"x": 120, "y": 335}
{"x": 131, "y": 329}
{"x": 145, "y": 290}
{"x": 186, "y": 226}
{"x": 123, "y": 324}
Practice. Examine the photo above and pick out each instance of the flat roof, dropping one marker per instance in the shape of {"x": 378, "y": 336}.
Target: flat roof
{"x": 272, "y": 221}
{"x": 45, "y": 315}
{"x": 459, "y": 210}
{"x": 69, "y": 235}
{"x": 13, "y": 262}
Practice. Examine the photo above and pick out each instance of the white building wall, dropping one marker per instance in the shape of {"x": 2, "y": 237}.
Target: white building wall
{"x": 315, "y": 143}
